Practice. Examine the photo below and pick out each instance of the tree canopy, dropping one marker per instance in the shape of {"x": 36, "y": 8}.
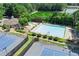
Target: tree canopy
{"x": 2, "y": 11}
{"x": 10, "y": 9}
{"x": 46, "y": 12}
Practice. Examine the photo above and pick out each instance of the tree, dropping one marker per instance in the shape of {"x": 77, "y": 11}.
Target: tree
{"x": 23, "y": 20}
{"x": 77, "y": 26}
{"x": 8, "y": 9}
{"x": 18, "y": 10}
{"x": 76, "y": 20}
{"x": 76, "y": 17}
{"x": 51, "y": 7}
{"x": 1, "y": 11}
{"x": 61, "y": 18}
{"x": 29, "y": 7}
{"x": 58, "y": 7}
{"x": 14, "y": 10}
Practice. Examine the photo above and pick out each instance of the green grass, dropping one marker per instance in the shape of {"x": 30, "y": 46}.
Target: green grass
{"x": 24, "y": 47}
{"x": 42, "y": 14}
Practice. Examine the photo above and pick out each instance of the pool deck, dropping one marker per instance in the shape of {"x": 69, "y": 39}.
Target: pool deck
{"x": 68, "y": 34}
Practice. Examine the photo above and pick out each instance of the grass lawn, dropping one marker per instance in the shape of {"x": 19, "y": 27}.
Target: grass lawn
{"x": 42, "y": 14}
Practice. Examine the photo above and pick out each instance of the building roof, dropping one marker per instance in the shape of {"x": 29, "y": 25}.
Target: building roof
{"x": 70, "y": 9}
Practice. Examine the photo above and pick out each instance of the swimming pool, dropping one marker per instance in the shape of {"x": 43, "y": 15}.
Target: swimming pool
{"x": 52, "y": 52}
{"x": 49, "y": 29}
{"x": 43, "y": 49}
{"x": 8, "y": 42}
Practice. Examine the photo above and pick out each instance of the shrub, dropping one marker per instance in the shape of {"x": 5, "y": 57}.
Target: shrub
{"x": 38, "y": 35}
{"x": 61, "y": 40}
{"x": 50, "y": 38}
{"x": 5, "y": 26}
{"x": 37, "y": 19}
{"x": 20, "y": 30}
{"x": 36, "y": 38}
{"x": 30, "y": 33}
{"x": 45, "y": 36}
{"x": 55, "y": 39}
{"x": 33, "y": 34}
{"x": 23, "y": 21}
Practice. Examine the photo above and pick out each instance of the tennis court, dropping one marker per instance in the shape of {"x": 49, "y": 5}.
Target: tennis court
{"x": 49, "y": 29}
{"x": 8, "y": 42}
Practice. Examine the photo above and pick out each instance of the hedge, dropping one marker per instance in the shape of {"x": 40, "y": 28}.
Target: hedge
{"x": 34, "y": 34}
{"x": 44, "y": 36}
{"x": 50, "y": 37}
{"x": 53, "y": 42}
{"x": 20, "y": 30}
{"x": 39, "y": 35}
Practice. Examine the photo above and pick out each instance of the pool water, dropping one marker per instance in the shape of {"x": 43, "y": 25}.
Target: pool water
{"x": 9, "y": 42}
{"x": 51, "y": 52}
{"x": 43, "y": 49}
{"x": 5, "y": 41}
{"x": 49, "y": 29}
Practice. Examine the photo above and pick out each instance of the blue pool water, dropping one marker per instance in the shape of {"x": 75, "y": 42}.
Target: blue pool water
{"x": 6, "y": 40}
{"x": 48, "y": 29}
{"x": 9, "y": 42}
{"x": 51, "y": 52}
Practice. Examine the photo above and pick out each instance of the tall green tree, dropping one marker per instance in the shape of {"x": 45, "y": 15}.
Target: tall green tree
{"x": 2, "y": 10}
{"x": 8, "y": 9}
{"x": 58, "y": 7}
{"x": 24, "y": 18}
{"x": 18, "y": 10}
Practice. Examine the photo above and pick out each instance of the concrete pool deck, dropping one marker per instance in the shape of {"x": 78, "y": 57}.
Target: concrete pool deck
{"x": 38, "y": 47}
{"x": 68, "y": 34}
